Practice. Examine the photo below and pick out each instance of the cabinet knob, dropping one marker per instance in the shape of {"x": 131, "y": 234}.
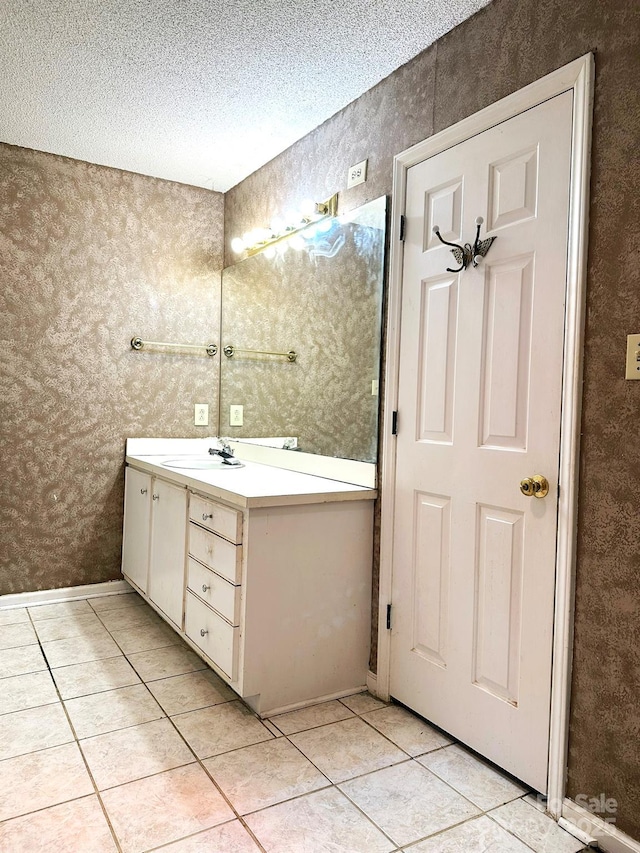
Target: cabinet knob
{"x": 205, "y": 587}
{"x": 143, "y": 491}
{"x": 156, "y": 497}
{"x": 205, "y": 516}
{"x": 203, "y": 632}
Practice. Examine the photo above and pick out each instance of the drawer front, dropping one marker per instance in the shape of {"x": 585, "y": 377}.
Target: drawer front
{"x": 217, "y": 639}
{"x": 221, "y": 519}
{"x": 216, "y": 591}
{"x": 216, "y": 553}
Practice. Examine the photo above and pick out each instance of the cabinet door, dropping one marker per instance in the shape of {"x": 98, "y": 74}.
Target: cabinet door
{"x": 168, "y": 541}
{"x": 135, "y": 536}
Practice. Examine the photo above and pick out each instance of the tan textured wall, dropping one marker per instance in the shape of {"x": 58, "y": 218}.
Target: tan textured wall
{"x": 89, "y": 257}
{"x": 505, "y": 46}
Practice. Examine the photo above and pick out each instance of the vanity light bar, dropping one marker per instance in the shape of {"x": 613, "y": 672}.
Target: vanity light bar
{"x": 260, "y": 239}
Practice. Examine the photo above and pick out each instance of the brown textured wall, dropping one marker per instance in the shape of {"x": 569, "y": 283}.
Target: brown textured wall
{"x": 505, "y": 46}
{"x": 90, "y": 256}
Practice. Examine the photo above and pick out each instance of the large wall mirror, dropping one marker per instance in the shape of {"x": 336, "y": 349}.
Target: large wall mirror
{"x": 319, "y": 295}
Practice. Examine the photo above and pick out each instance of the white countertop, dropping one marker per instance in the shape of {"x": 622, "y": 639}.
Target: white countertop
{"x": 253, "y": 485}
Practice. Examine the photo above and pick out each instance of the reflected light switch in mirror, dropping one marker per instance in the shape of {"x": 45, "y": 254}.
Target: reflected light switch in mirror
{"x": 633, "y": 357}
{"x": 235, "y": 416}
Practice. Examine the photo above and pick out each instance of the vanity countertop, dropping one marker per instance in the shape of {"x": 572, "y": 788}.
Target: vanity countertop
{"x": 253, "y": 485}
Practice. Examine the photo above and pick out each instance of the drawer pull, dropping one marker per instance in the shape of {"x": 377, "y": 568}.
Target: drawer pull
{"x": 156, "y": 497}
{"x": 205, "y": 587}
{"x": 143, "y": 491}
{"x": 205, "y": 516}
{"x": 203, "y": 632}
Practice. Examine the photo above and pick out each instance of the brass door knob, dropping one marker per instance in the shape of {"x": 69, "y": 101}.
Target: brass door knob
{"x": 536, "y": 486}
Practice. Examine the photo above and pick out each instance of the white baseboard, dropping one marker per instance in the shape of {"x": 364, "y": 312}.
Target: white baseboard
{"x": 296, "y": 706}
{"x": 372, "y": 683}
{"x": 606, "y": 834}
{"x": 70, "y": 593}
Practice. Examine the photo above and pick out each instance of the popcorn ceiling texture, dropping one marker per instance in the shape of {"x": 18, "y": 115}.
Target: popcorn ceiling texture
{"x": 504, "y": 47}
{"x": 203, "y": 92}
{"x": 89, "y": 257}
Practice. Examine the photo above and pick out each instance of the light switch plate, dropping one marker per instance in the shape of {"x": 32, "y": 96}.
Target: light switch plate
{"x": 235, "y": 415}
{"x": 201, "y": 414}
{"x": 633, "y": 357}
{"x": 357, "y": 174}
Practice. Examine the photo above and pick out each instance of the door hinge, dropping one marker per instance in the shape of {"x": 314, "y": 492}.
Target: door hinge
{"x": 403, "y": 228}
{"x": 388, "y": 617}
{"x": 394, "y": 423}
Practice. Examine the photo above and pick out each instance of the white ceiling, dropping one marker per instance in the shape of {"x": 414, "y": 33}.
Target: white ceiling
{"x": 198, "y": 91}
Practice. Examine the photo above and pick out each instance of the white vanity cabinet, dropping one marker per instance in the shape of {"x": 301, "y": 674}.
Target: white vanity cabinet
{"x": 167, "y": 550}
{"x": 274, "y": 577}
{"x": 135, "y": 534}
{"x": 153, "y": 546}
{"x": 214, "y": 578}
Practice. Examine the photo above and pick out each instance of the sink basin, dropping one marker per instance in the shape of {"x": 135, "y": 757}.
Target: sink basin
{"x": 202, "y": 463}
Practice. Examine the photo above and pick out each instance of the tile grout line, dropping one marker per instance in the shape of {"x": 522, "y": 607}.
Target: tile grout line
{"x": 77, "y": 741}
{"x": 287, "y": 737}
{"x": 199, "y": 762}
{"x": 334, "y": 785}
{"x": 197, "y": 759}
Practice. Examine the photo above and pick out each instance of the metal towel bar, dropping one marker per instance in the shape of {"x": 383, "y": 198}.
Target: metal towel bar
{"x": 230, "y": 351}
{"x": 138, "y": 344}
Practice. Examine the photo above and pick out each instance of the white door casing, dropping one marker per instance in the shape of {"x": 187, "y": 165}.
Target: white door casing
{"x": 500, "y": 521}
{"x": 479, "y": 400}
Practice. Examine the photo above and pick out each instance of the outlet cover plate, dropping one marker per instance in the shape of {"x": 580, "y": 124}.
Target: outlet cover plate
{"x": 201, "y": 414}
{"x": 357, "y": 174}
{"x": 236, "y": 415}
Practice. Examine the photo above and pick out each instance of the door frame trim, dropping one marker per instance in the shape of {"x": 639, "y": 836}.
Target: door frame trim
{"x": 578, "y": 77}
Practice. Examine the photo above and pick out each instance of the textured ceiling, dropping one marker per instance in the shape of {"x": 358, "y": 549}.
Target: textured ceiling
{"x": 193, "y": 91}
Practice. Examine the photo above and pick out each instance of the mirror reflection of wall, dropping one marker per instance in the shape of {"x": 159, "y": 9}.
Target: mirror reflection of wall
{"x": 320, "y": 295}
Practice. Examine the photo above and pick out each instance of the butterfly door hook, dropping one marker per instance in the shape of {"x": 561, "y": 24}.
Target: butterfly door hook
{"x": 467, "y": 254}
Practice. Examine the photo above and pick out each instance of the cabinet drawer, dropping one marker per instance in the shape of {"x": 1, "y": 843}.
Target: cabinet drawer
{"x": 217, "y": 639}
{"x": 216, "y": 553}
{"x": 216, "y": 591}
{"x": 221, "y": 519}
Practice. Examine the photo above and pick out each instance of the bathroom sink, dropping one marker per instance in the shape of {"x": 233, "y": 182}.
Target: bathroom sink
{"x": 202, "y": 463}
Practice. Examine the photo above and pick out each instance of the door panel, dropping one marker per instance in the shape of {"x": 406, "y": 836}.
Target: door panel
{"x": 431, "y": 577}
{"x": 438, "y": 317}
{"x": 480, "y": 385}
{"x": 498, "y": 602}
{"x": 506, "y": 343}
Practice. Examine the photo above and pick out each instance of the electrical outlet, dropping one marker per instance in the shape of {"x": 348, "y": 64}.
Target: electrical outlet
{"x": 235, "y": 415}
{"x": 357, "y": 174}
{"x": 374, "y": 387}
{"x": 201, "y": 414}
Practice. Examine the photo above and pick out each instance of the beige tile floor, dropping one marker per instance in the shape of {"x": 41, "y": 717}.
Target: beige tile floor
{"x": 115, "y": 736}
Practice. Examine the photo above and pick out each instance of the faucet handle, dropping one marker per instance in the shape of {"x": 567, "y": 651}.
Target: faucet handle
{"x": 225, "y": 446}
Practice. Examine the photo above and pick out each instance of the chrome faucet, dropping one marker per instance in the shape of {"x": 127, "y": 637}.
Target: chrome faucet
{"x": 225, "y": 451}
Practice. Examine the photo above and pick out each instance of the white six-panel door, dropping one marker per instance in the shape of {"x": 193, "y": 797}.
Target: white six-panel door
{"x": 480, "y": 384}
